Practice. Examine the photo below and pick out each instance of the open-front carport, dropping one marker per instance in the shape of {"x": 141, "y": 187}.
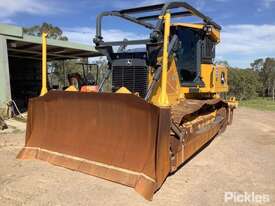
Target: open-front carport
{"x": 29, "y": 47}
{"x": 20, "y": 62}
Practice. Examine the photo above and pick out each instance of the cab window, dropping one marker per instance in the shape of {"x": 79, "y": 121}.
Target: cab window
{"x": 188, "y": 55}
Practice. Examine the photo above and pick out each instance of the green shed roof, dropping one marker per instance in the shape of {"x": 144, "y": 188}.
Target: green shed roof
{"x": 26, "y": 46}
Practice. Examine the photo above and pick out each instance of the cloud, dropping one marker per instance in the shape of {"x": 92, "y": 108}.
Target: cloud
{"x": 122, "y": 4}
{"x": 265, "y": 5}
{"x": 151, "y": 2}
{"x": 248, "y": 38}
{"x": 6, "y": 21}
{"x": 247, "y": 42}
{"x": 198, "y": 4}
{"x": 268, "y": 3}
{"x": 240, "y": 44}
{"x": 85, "y": 35}
{"x": 10, "y": 8}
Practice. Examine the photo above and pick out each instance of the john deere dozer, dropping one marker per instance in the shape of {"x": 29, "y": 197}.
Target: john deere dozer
{"x": 164, "y": 107}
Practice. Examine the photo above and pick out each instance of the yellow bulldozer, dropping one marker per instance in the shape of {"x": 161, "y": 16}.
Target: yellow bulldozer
{"x": 164, "y": 106}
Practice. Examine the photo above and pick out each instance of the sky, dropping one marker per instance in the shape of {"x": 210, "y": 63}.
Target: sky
{"x": 248, "y": 26}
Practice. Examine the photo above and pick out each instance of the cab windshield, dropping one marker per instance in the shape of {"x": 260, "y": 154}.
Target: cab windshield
{"x": 188, "y": 55}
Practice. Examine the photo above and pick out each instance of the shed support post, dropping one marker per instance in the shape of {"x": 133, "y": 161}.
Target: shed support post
{"x": 5, "y": 90}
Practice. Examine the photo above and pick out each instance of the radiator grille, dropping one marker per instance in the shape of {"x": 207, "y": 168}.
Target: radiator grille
{"x": 133, "y": 78}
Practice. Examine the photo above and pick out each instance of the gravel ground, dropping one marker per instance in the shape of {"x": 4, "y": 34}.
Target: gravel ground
{"x": 240, "y": 160}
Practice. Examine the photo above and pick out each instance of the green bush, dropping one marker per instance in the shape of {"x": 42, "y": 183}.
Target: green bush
{"x": 243, "y": 83}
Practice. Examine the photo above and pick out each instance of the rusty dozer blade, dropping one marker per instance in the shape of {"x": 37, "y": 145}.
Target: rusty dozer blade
{"x": 119, "y": 137}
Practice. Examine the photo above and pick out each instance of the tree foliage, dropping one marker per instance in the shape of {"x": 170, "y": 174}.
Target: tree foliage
{"x": 259, "y": 80}
{"x": 54, "y": 32}
{"x": 266, "y": 71}
{"x": 223, "y": 63}
{"x": 243, "y": 83}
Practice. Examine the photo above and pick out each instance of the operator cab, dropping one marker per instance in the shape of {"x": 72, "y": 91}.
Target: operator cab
{"x": 194, "y": 48}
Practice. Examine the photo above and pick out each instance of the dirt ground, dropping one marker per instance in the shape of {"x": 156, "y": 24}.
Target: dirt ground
{"x": 240, "y": 160}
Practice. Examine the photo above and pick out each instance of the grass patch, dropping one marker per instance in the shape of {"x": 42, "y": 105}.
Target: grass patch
{"x": 260, "y": 103}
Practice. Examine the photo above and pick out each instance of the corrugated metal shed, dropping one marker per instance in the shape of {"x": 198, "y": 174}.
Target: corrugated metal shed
{"x": 26, "y": 46}
{"x": 20, "y": 55}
